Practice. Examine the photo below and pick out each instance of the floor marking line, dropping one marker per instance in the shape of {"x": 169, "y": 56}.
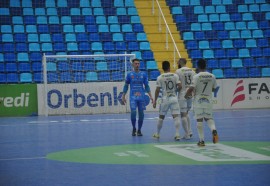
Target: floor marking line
{"x": 14, "y": 159}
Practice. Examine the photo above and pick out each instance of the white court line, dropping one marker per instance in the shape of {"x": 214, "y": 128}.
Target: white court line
{"x": 14, "y": 159}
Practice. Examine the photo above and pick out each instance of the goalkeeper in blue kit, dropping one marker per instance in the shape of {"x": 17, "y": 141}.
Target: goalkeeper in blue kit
{"x": 138, "y": 82}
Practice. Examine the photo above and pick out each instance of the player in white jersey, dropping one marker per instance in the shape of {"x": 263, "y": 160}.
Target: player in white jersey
{"x": 185, "y": 76}
{"x": 203, "y": 84}
{"x": 168, "y": 83}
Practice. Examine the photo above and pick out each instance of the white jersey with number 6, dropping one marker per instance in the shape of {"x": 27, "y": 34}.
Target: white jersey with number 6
{"x": 203, "y": 83}
{"x": 185, "y": 76}
{"x": 168, "y": 84}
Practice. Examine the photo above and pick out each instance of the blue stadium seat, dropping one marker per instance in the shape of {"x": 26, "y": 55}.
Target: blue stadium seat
{"x": 218, "y": 26}
{"x": 91, "y": 76}
{"x": 220, "y": 53}
{"x": 81, "y": 37}
{"x": 106, "y": 36}
{"x": 215, "y": 44}
{"x": 247, "y": 16}
{"x": 112, "y": 20}
{"x": 224, "y": 63}
{"x": 195, "y": 54}
{"x": 59, "y": 47}
{"x": 87, "y": 11}
{"x": 84, "y": 46}
{"x": 265, "y": 72}
{"x": 65, "y": 77}
{"x": 242, "y": 73}
{"x": 191, "y": 45}
{"x": 257, "y": 34}
{"x": 196, "y": 27}
{"x": 188, "y": 36}
{"x": 239, "y": 43}
{"x": 262, "y": 62}
{"x": 52, "y": 77}
{"x": 79, "y": 76}
{"x": 127, "y": 28}
{"x": 227, "y": 44}
{"x": 151, "y": 65}
{"x": 52, "y": 11}
{"x": 22, "y": 57}
{"x": 147, "y": 55}
{"x": 145, "y": 45}
{"x": 35, "y": 56}
{"x": 224, "y": 17}
{"x": 240, "y": 25}
{"x": 203, "y": 44}
{"x": 236, "y": 63}
{"x": 3, "y": 78}
{"x": 218, "y": 73}
{"x": 212, "y": 64}
{"x": 75, "y": 11}
{"x": 94, "y": 37}
{"x": 104, "y": 76}
{"x": 118, "y": 37}
{"x": 232, "y": 53}
{"x": 115, "y": 28}
{"x": 251, "y": 43}
{"x": 89, "y": 66}
{"x": 138, "y": 27}
{"x": 138, "y": 55}
{"x": 230, "y": 73}
{"x": 243, "y": 52}
{"x": 62, "y": 66}
{"x": 234, "y": 34}
{"x": 26, "y": 77}
{"x": 248, "y": 62}
{"x": 101, "y": 66}
{"x": 254, "y": 72}
{"x": 10, "y": 57}
{"x": 12, "y": 78}
{"x": 108, "y": 46}
{"x": 263, "y": 42}
{"x": 117, "y": 76}
{"x": 133, "y": 46}
{"x": 246, "y": 34}
{"x": 153, "y": 75}
{"x": 223, "y": 35}
{"x": 256, "y": 52}
{"x": 11, "y": 67}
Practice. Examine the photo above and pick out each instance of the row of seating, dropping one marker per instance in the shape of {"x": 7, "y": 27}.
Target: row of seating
{"x": 67, "y": 3}
{"x": 74, "y": 66}
{"x": 227, "y": 44}
{"x": 221, "y": 53}
{"x": 69, "y": 37}
{"x": 75, "y": 46}
{"x": 242, "y": 72}
{"x": 53, "y": 77}
{"x": 212, "y": 2}
{"x": 71, "y": 11}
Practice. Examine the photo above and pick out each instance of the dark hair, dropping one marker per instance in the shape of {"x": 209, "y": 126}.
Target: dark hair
{"x": 182, "y": 60}
{"x": 165, "y": 65}
{"x": 135, "y": 59}
{"x": 201, "y": 64}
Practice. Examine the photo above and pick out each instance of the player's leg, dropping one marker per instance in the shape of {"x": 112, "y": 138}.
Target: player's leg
{"x": 198, "y": 115}
{"x": 163, "y": 108}
{"x": 133, "y": 115}
{"x": 141, "y": 108}
{"x": 189, "y": 105}
{"x": 175, "y": 109}
{"x": 183, "y": 108}
{"x": 211, "y": 123}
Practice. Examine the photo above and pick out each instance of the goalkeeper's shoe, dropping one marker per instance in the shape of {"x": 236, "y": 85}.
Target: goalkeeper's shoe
{"x": 177, "y": 138}
{"x": 133, "y": 132}
{"x": 201, "y": 144}
{"x": 156, "y": 135}
{"x": 215, "y": 136}
{"x": 139, "y": 133}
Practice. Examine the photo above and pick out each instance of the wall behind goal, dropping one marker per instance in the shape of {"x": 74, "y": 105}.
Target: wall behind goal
{"x": 98, "y": 98}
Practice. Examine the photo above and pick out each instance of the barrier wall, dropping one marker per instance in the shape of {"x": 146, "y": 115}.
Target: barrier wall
{"x": 18, "y": 100}
{"x": 97, "y": 98}
{"x": 94, "y": 98}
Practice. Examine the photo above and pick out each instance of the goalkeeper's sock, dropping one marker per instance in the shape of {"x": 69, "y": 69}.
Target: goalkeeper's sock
{"x": 140, "y": 121}
{"x": 200, "y": 130}
{"x": 133, "y": 119}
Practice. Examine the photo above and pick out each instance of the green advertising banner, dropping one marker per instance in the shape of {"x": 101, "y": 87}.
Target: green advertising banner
{"x": 18, "y": 100}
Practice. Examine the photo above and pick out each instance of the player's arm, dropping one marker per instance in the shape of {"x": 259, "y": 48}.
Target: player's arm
{"x": 125, "y": 89}
{"x": 156, "y": 97}
{"x": 188, "y": 94}
{"x": 147, "y": 88}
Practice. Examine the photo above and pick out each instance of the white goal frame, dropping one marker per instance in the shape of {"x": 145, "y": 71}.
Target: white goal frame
{"x": 127, "y": 59}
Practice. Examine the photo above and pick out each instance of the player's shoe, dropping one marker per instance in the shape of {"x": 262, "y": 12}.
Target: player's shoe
{"x": 156, "y": 135}
{"x": 201, "y": 144}
{"x": 139, "y": 133}
{"x": 133, "y": 132}
{"x": 190, "y": 135}
{"x": 215, "y": 136}
{"x": 177, "y": 138}
{"x": 187, "y": 137}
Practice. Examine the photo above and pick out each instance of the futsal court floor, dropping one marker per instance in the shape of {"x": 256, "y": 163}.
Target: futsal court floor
{"x": 98, "y": 150}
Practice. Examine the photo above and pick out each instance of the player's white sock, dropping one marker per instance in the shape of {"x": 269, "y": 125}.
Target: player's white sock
{"x": 177, "y": 125}
{"x": 189, "y": 125}
{"x": 200, "y": 130}
{"x": 159, "y": 125}
{"x": 211, "y": 124}
{"x": 185, "y": 125}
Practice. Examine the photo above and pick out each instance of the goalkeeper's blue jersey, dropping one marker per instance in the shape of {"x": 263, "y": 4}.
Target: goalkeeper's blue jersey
{"x": 137, "y": 81}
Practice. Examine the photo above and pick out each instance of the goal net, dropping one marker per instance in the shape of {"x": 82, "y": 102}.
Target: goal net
{"x": 83, "y": 84}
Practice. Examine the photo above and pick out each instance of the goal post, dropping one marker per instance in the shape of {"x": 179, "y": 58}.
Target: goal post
{"x": 83, "y": 84}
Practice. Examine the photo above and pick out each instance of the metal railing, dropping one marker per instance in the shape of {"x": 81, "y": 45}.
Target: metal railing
{"x": 168, "y": 31}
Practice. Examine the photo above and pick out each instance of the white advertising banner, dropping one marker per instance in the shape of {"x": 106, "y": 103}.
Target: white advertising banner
{"x": 105, "y": 97}
{"x": 246, "y": 93}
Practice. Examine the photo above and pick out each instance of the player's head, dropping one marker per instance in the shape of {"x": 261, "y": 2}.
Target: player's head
{"x": 201, "y": 64}
{"x": 166, "y": 66}
{"x": 182, "y": 62}
{"x": 136, "y": 64}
